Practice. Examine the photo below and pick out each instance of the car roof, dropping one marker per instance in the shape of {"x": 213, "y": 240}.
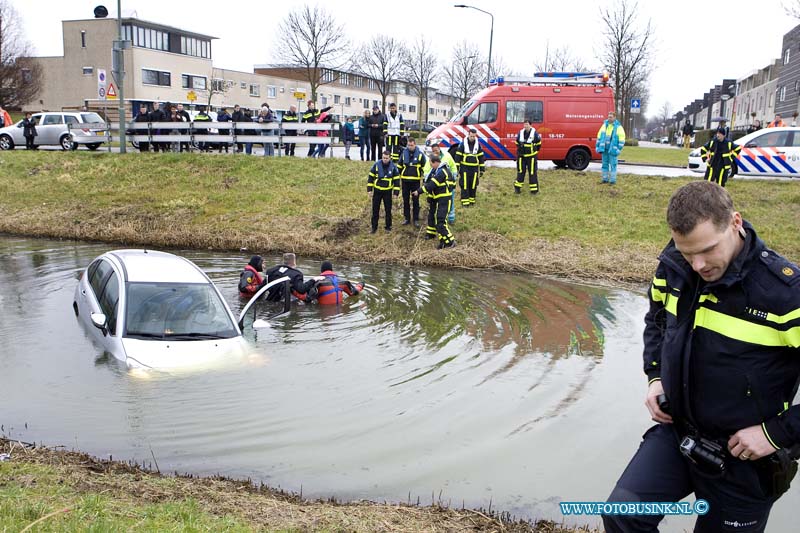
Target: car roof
{"x": 155, "y": 266}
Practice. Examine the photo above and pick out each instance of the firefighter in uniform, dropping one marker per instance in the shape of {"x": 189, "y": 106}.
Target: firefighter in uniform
{"x": 471, "y": 165}
{"x": 450, "y": 163}
{"x": 528, "y": 144}
{"x": 719, "y": 153}
{"x": 438, "y": 186}
{"x": 394, "y": 128}
{"x": 382, "y": 182}
{"x": 722, "y": 356}
{"x": 412, "y": 163}
{"x": 291, "y": 118}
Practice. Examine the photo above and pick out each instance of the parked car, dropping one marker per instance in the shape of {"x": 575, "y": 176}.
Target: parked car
{"x": 664, "y": 140}
{"x": 53, "y": 130}
{"x": 769, "y": 152}
{"x": 425, "y": 127}
{"x": 155, "y": 310}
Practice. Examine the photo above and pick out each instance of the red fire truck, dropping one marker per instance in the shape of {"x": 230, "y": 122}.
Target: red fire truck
{"x": 566, "y": 108}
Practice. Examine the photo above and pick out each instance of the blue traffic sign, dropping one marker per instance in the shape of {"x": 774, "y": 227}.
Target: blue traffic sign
{"x": 636, "y": 105}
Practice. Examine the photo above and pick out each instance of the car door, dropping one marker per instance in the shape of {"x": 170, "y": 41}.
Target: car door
{"x": 769, "y": 154}
{"x": 50, "y": 128}
{"x": 73, "y": 123}
{"x": 101, "y": 295}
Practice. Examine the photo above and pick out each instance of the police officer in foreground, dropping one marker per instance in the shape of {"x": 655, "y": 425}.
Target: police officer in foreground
{"x": 720, "y": 154}
{"x": 721, "y": 353}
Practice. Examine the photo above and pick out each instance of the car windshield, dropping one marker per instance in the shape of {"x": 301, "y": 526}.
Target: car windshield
{"x": 461, "y": 112}
{"x": 176, "y": 311}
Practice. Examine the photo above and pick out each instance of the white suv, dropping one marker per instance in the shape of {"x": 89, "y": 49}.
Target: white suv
{"x": 52, "y": 129}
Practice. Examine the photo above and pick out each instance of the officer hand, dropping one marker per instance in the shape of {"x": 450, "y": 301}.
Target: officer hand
{"x": 397, "y": 193}
{"x": 749, "y": 444}
{"x": 653, "y": 392}
{"x": 415, "y": 193}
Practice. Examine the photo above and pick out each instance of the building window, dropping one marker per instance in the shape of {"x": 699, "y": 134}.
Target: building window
{"x": 88, "y": 71}
{"x": 366, "y": 103}
{"x": 358, "y": 81}
{"x": 347, "y": 101}
{"x": 372, "y": 85}
{"x": 217, "y": 85}
{"x": 344, "y": 78}
{"x": 191, "y": 46}
{"x": 786, "y": 56}
{"x": 412, "y": 109}
{"x": 156, "y": 77}
{"x": 324, "y": 100}
{"x": 431, "y": 111}
{"x": 375, "y": 103}
{"x": 272, "y": 92}
{"x": 337, "y": 99}
{"x": 328, "y": 76}
{"x": 402, "y": 107}
{"x": 190, "y": 81}
{"x": 255, "y": 89}
{"x": 782, "y": 96}
{"x": 83, "y": 39}
{"x": 243, "y": 85}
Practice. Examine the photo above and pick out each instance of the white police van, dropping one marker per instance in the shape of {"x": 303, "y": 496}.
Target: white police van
{"x": 767, "y": 152}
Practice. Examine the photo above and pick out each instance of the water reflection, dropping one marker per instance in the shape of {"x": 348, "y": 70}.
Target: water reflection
{"x": 485, "y": 386}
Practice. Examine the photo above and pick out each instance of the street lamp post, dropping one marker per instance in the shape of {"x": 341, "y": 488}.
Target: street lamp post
{"x": 118, "y": 71}
{"x": 491, "y": 37}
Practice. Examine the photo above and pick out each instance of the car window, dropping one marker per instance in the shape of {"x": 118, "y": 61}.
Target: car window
{"x": 520, "y": 111}
{"x": 170, "y": 310}
{"x": 484, "y": 113}
{"x": 53, "y": 119}
{"x": 99, "y": 277}
{"x": 73, "y": 120}
{"x": 796, "y": 139}
{"x": 108, "y": 302}
{"x": 772, "y": 138}
{"x": 91, "y": 118}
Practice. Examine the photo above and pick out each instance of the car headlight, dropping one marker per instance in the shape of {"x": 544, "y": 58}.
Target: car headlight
{"x": 694, "y": 153}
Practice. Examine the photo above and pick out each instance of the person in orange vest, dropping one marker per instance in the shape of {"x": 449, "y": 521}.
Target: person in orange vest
{"x": 330, "y": 290}
{"x": 777, "y": 123}
{"x": 250, "y": 280}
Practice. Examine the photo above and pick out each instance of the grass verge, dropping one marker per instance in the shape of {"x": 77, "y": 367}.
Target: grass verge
{"x": 60, "y": 491}
{"x": 673, "y": 157}
{"x": 575, "y": 228}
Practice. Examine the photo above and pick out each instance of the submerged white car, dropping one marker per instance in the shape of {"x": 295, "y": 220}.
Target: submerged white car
{"x": 767, "y": 152}
{"x": 156, "y": 310}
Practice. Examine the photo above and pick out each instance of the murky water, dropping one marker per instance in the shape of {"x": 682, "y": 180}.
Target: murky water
{"x": 464, "y": 387}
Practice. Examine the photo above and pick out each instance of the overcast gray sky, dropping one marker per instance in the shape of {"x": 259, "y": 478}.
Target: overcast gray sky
{"x": 698, "y": 43}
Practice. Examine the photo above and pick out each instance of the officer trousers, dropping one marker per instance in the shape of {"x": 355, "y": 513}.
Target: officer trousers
{"x": 363, "y": 144}
{"x": 659, "y": 472}
{"x": 452, "y": 216}
{"x": 384, "y": 197}
{"x": 609, "y": 168}
{"x": 288, "y": 149}
{"x": 468, "y": 181}
{"x": 393, "y": 145}
{"x": 410, "y": 202}
{"x": 531, "y": 166}
{"x": 437, "y": 220}
{"x": 718, "y": 175}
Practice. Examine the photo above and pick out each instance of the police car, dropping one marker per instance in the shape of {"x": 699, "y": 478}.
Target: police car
{"x": 767, "y": 152}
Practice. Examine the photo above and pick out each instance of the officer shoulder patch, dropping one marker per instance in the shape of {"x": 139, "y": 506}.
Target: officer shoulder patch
{"x": 781, "y": 267}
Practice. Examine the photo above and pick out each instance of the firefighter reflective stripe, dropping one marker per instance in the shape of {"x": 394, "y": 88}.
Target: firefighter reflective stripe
{"x": 668, "y": 300}
{"x": 778, "y": 319}
{"x": 708, "y": 297}
{"x": 766, "y": 434}
{"x": 659, "y": 282}
{"x": 393, "y": 125}
{"x": 383, "y": 178}
{"x": 742, "y": 330}
{"x": 470, "y": 157}
{"x": 529, "y": 146}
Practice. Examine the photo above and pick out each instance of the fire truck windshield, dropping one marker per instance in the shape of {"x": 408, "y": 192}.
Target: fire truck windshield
{"x": 463, "y": 111}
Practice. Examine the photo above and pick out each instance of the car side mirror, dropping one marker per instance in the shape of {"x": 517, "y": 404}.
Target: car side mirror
{"x": 99, "y": 321}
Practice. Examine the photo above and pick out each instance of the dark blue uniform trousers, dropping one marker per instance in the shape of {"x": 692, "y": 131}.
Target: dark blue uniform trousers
{"x": 659, "y": 472}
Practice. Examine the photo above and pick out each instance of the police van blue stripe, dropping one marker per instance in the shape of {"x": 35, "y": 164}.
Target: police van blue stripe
{"x": 754, "y": 163}
{"x": 785, "y": 165}
{"x": 742, "y": 166}
{"x": 769, "y": 164}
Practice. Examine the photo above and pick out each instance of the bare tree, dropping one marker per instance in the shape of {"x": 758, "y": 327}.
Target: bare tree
{"x": 560, "y": 59}
{"x": 310, "y": 38}
{"x": 500, "y": 68}
{"x": 382, "y": 59}
{"x": 792, "y": 8}
{"x": 627, "y": 53}
{"x": 20, "y": 76}
{"x": 465, "y": 71}
{"x": 419, "y": 69}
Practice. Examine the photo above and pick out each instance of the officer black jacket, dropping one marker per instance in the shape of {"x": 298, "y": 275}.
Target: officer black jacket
{"x": 727, "y": 351}
{"x": 297, "y": 285}
{"x": 411, "y": 164}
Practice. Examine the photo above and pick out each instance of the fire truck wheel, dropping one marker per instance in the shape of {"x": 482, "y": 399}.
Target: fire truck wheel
{"x": 578, "y": 159}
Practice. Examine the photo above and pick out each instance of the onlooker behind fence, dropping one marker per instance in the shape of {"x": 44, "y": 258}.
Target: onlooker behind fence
{"x": 202, "y": 116}
{"x": 29, "y": 131}
{"x": 142, "y": 118}
{"x": 237, "y": 117}
{"x": 223, "y": 116}
{"x": 777, "y": 123}
{"x": 375, "y": 133}
{"x": 324, "y": 118}
{"x": 183, "y": 116}
{"x": 688, "y": 131}
{"x": 755, "y": 126}
{"x": 290, "y": 117}
{"x": 265, "y": 116}
{"x": 363, "y": 134}
{"x": 348, "y": 136}
{"x": 158, "y": 114}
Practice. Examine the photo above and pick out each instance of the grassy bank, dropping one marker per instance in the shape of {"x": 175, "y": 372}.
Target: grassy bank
{"x": 68, "y": 491}
{"x": 576, "y": 228}
{"x": 674, "y": 157}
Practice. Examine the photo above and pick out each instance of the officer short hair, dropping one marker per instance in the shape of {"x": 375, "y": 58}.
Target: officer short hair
{"x": 387, "y": 152}
{"x": 289, "y": 259}
{"x": 436, "y": 159}
{"x": 696, "y": 202}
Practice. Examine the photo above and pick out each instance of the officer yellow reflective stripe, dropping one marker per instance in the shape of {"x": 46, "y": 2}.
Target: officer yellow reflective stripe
{"x": 742, "y": 330}
{"x": 766, "y": 434}
{"x": 382, "y": 183}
